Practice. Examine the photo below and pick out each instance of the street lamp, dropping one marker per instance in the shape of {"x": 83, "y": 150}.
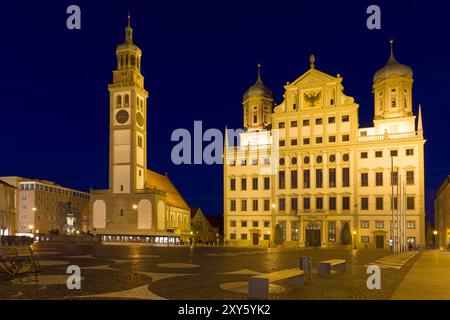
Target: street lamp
{"x": 135, "y": 206}
{"x": 354, "y": 239}
{"x": 272, "y": 224}
{"x": 268, "y": 232}
{"x": 435, "y": 233}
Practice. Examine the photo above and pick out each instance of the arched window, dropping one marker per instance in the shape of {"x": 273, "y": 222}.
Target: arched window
{"x": 132, "y": 60}
{"x": 119, "y": 101}
{"x": 127, "y": 100}
{"x": 126, "y": 60}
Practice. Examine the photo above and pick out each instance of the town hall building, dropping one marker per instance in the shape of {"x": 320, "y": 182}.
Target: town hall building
{"x": 140, "y": 205}
{"x": 305, "y": 170}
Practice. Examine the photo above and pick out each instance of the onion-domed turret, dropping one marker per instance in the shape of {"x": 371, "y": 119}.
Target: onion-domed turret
{"x": 258, "y": 104}
{"x": 392, "y": 68}
{"x": 259, "y": 89}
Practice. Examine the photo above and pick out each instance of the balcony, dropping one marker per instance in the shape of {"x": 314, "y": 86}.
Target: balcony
{"x": 392, "y": 136}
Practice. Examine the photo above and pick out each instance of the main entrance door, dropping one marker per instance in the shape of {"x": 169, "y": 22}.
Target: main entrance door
{"x": 313, "y": 235}
{"x": 255, "y": 239}
{"x": 379, "y": 242}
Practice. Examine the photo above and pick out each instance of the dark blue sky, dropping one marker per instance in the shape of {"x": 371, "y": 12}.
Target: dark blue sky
{"x": 198, "y": 59}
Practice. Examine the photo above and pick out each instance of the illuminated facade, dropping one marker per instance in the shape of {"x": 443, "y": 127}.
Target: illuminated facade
{"x": 7, "y": 208}
{"x": 140, "y": 205}
{"x": 304, "y": 170}
{"x": 42, "y": 206}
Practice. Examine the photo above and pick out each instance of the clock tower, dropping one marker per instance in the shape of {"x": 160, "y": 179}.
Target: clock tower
{"x": 128, "y": 125}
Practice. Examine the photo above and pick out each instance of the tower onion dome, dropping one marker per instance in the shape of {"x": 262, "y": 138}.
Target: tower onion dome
{"x": 128, "y": 44}
{"x": 392, "y": 68}
{"x": 259, "y": 89}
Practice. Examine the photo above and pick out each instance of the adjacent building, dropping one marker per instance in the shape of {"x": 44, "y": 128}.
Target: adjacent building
{"x": 7, "y": 208}
{"x": 203, "y": 231}
{"x": 442, "y": 215}
{"x": 304, "y": 170}
{"x": 44, "y": 206}
{"x": 140, "y": 204}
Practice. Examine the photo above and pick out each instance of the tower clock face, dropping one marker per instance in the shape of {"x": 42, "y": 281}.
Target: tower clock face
{"x": 122, "y": 116}
{"x": 140, "y": 119}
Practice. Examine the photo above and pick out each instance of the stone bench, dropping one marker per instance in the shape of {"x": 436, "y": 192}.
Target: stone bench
{"x": 324, "y": 268}
{"x": 258, "y": 286}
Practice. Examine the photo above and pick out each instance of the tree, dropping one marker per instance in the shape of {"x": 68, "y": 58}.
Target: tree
{"x": 278, "y": 235}
{"x": 346, "y": 236}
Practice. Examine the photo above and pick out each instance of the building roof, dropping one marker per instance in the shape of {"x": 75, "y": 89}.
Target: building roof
{"x": 163, "y": 183}
{"x": 6, "y": 184}
{"x": 443, "y": 186}
{"x": 392, "y": 68}
{"x": 259, "y": 89}
{"x": 216, "y": 221}
{"x": 194, "y": 212}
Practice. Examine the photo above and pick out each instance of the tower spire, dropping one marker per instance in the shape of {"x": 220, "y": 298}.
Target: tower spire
{"x": 259, "y": 73}
{"x": 419, "y": 121}
{"x": 392, "y": 57}
{"x": 129, "y": 31}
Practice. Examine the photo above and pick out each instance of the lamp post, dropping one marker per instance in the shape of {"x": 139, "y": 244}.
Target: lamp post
{"x": 436, "y": 243}
{"x": 268, "y": 232}
{"x": 272, "y": 225}
{"x": 354, "y": 239}
{"x": 191, "y": 238}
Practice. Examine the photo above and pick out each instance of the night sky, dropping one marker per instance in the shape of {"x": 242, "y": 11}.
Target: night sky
{"x": 198, "y": 60}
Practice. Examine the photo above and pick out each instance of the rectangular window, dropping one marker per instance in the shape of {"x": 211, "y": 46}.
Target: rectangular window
{"x": 282, "y": 143}
{"x": 379, "y": 224}
{"x": 283, "y": 229}
{"x": 364, "y": 155}
{"x": 294, "y": 230}
{"x": 378, "y": 179}
{"x": 364, "y": 179}
{"x": 409, "y": 177}
{"x": 306, "y": 203}
{"x": 332, "y": 120}
{"x": 267, "y": 237}
{"x": 364, "y": 239}
{"x": 394, "y": 202}
{"x": 306, "y": 123}
{"x": 281, "y": 125}
{"x": 243, "y": 162}
{"x": 232, "y": 236}
{"x": 232, "y": 205}
{"x": 345, "y": 203}
{"x": 378, "y": 154}
{"x": 319, "y": 140}
{"x": 379, "y": 203}
{"x": 319, "y": 203}
{"x": 306, "y": 141}
{"x": 306, "y": 179}
{"x": 244, "y": 224}
{"x": 255, "y": 162}
{"x": 345, "y": 138}
{"x": 266, "y": 161}
{"x": 282, "y": 204}
{"x": 332, "y": 178}
{"x": 294, "y": 203}
{"x": 332, "y": 203}
{"x": 319, "y": 178}
{"x": 266, "y": 205}
{"x": 233, "y": 223}
{"x": 394, "y": 153}
{"x": 255, "y": 183}
{"x": 318, "y": 121}
{"x": 332, "y": 139}
{"x": 346, "y": 177}
{"x": 233, "y": 184}
{"x": 294, "y": 181}
{"x": 394, "y": 178}
{"x": 365, "y": 224}
{"x": 255, "y": 224}
{"x": 266, "y": 183}
{"x": 243, "y": 184}
{"x": 293, "y": 142}
{"x": 409, "y": 152}
{"x": 244, "y": 236}
{"x": 346, "y": 118}
{"x": 255, "y": 205}
{"x": 281, "y": 180}
{"x": 293, "y": 124}
{"x": 410, "y": 201}
{"x": 364, "y": 203}
{"x": 332, "y": 231}
{"x": 410, "y": 224}
{"x": 411, "y": 240}
{"x": 266, "y": 224}
{"x": 243, "y": 205}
